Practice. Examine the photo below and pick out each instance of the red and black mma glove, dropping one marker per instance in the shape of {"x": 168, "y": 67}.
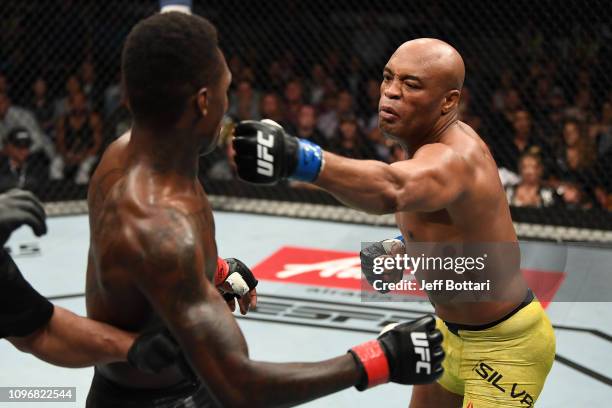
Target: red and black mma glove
{"x": 155, "y": 349}
{"x": 233, "y": 278}
{"x": 408, "y": 353}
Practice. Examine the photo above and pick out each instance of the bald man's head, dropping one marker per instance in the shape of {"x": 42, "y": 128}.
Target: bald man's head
{"x": 440, "y": 60}
{"x": 421, "y": 87}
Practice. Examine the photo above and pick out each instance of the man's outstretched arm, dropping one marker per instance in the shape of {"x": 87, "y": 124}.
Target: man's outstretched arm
{"x": 69, "y": 340}
{"x": 172, "y": 277}
{"x": 431, "y": 180}
{"x": 31, "y": 323}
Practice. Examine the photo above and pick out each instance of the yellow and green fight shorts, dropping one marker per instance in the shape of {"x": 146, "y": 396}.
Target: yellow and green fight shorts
{"x": 502, "y": 364}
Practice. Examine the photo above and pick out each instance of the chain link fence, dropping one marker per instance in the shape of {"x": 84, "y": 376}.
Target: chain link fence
{"x": 538, "y": 90}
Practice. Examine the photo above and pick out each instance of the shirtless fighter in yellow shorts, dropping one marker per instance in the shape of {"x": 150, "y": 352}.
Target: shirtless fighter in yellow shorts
{"x": 499, "y": 352}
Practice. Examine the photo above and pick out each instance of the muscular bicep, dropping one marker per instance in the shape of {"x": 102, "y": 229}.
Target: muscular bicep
{"x": 432, "y": 180}
{"x": 172, "y": 278}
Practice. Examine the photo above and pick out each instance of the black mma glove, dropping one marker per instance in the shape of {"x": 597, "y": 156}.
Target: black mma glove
{"x": 373, "y": 269}
{"x": 234, "y": 280}
{"x": 156, "y": 349}
{"x": 18, "y": 207}
{"x": 408, "y": 353}
{"x": 266, "y": 154}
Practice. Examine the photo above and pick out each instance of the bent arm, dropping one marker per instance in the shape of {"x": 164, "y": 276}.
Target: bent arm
{"x": 430, "y": 181}
{"x": 174, "y": 281}
{"x": 69, "y": 340}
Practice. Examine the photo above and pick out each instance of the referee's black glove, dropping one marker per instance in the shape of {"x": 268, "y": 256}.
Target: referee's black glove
{"x": 19, "y": 207}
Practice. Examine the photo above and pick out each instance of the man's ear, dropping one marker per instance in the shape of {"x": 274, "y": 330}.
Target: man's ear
{"x": 202, "y": 101}
{"x": 451, "y": 101}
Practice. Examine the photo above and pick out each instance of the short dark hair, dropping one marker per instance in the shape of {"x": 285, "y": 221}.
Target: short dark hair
{"x": 166, "y": 58}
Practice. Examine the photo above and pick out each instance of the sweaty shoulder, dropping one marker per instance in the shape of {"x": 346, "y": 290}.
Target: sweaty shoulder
{"x": 460, "y": 145}
{"x": 448, "y": 158}
{"x": 114, "y": 156}
{"x": 156, "y": 234}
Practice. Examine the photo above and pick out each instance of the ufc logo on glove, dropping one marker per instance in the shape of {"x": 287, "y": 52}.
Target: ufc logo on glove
{"x": 421, "y": 349}
{"x": 265, "y": 161}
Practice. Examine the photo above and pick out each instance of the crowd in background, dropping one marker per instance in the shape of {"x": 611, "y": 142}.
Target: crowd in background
{"x": 545, "y": 109}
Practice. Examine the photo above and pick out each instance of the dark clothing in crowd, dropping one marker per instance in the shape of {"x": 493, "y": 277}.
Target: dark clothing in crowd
{"x": 362, "y": 150}
{"x": 32, "y": 175}
{"x": 78, "y": 140}
{"x": 119, "y": 122}
{"x": 44, "y": 111}
{"x": 507, "y": 153}
{"x": 315, "y": 137}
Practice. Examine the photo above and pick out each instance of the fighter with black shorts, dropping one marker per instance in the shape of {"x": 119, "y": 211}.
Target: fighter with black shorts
{"x": 153, "y": 256}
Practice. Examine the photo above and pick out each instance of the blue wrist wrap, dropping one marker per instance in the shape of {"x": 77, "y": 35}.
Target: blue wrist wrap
{"x": 310, "y": 159}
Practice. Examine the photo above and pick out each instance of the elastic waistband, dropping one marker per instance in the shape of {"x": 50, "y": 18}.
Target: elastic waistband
{"x": 455, "y": 327}
{"x": 114, "y": 390}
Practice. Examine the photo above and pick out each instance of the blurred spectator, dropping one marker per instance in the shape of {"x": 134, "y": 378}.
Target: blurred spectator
{"x": 294, "y": 98}
{"x": 113, "y": 96}
{"x": 19, "y": 167}
{"x": 499, "y": 125}
{"x": 581, "y": 108}
{"x": 275, "y": 78}
{"x": 271, "y": 109}
{"x": 530, "y": 191}
{"x": 397, "y": 153}
{"x": 603, "y": 190}
{"x": 91, "y": 86}
{"x": 316, "y": 84}
{"x": 379, "y": 144}
{"x": 224, "y": 169}
{"x": 4, "y": 85}
{"x": 235, "y": 64}
{"x": 575, "y": 157}
{"x": 332, "y": 63}
{"x": 368, "y": 105}
{"x": 244, "y": 102}
{"x": 574, "y": 197}
{"x": 306, "y": 126}
{"x": 72, "y": 87}
{"x": 41, "y": 106}
{"x": 79, "y": 138}
{"x": 538, "y": 95}
{"x": 370, "y": 41}
{"x": 354, "y": 74}
{"x": 288, "y": 64}
{"x": 522, "y": 140}
{"x": 552, "y": 122}
{"x": 604, "y": 197}
{"x": 350, "y": 142}
{"x": 601, "y": 131}
{"x": 118, "y": 122}
{"x": 466, "y": 111}
{"x": 13, "y": 117}
{"x": 500, "y": 93}
{"x": 328, "y": 122}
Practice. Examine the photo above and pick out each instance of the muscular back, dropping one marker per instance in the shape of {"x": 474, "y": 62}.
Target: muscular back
{"x": 125, "y": 197}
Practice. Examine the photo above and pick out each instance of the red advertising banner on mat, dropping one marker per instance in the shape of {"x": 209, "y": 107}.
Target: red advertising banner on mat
{"x": 340, "y": 269}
